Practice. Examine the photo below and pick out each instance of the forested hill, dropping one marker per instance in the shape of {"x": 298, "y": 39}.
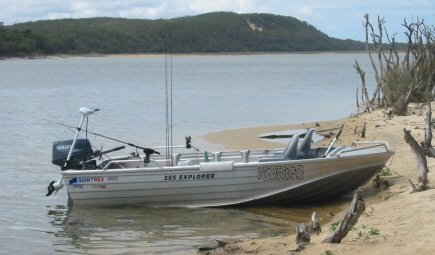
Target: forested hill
{"x": 206, "y": 33}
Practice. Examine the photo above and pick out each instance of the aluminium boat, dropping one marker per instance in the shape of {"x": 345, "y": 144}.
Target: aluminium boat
{"x": 298, "y": 173}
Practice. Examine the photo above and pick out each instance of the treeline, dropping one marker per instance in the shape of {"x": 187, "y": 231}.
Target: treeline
{"x": 206, "y": 33}
{"x": 15, "y": 43}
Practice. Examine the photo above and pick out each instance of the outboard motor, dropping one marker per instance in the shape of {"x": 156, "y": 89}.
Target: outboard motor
{"x": 81, "y": 153}
{"x": 72, "y": 154}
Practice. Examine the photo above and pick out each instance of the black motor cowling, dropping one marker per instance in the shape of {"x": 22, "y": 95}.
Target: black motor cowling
{"x": 82, "y": 152}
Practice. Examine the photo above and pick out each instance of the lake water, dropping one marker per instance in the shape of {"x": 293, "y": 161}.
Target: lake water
{"x": 210, "y": 93}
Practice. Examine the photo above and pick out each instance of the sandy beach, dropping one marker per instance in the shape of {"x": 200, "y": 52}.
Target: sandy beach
{"x": 395, "y": 221}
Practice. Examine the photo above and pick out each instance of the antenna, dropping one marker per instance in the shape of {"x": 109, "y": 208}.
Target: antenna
{"x": 168, "y": 107}
{"x": 172, "y": 148}
{"x": 166, "y": 103}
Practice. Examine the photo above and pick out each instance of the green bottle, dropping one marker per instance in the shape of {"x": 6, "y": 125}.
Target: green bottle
{"x": 206, "y": 157}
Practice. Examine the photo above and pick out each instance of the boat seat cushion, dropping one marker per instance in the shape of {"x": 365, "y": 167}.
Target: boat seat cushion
{"x": 304, "y": 150}
{"x": 289, "y": 153}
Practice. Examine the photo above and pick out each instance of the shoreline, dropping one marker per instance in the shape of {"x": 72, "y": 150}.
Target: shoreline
{"x": 193, "y": 54}
{"x": 394, "y": 222}
{"x": 248, "y": 138}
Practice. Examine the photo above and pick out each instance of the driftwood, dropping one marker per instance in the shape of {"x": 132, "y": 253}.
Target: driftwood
{"x": 315, "y": 224}
{"x": 357, "y": 207}
{"x": 422, "y": 181}
{"x": 328, "y": 130}
{"x": 222, "y": 247}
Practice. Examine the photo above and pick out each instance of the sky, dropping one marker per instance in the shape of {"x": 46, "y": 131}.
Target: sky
{"x": 337, "y": 18}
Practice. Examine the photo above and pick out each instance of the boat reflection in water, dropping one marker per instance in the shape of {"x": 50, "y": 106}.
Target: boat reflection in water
{"x": 147, "y": 230}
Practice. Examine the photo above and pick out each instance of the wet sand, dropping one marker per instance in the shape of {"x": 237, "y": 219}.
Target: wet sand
{"x": 395, "y": 221}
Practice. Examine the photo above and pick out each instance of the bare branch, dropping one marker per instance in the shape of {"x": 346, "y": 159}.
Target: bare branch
{"x": 363, "y": 84}
{"x": 368, "y": 25}
{"x": 409, "y": 34}
{"x": 381, "y": 23}
{"x": 357, "y": 103}
{"x": 377, "y": 44}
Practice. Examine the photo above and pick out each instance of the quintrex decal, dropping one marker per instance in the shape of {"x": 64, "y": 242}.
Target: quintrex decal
{"x": 81, "y": 180}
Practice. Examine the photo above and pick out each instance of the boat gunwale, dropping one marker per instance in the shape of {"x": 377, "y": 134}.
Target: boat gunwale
{"x": 237, "y": 165}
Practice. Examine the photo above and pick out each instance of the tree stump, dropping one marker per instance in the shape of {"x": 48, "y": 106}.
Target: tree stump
{"x": 357, "y": 207}
{"x": 315, "y": 224}
{"x": 363, "y": 131}
{"x": 302, "y": 234}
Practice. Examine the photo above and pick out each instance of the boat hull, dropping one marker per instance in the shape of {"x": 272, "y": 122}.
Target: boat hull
{"x": 226, "y": 184}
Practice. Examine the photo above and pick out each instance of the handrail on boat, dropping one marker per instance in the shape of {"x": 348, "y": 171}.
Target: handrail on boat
{"x": 119, "y": 162}
{"x": 217, "y": 156}
{"x": 384, "y": 144}
{"x": 110, "y": 164}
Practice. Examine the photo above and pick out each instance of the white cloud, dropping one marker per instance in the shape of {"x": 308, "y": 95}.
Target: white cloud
{"x": 144, "y": 12}
{"x": 239, "y": 6}
{"x": 58, "y": 15}
{"x": 82, "y": 9}
{"x": 306, "y": 11}
{"x": 75, "y": 9}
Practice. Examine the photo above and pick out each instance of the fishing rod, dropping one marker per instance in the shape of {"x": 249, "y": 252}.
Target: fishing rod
{"x": 333, "y": 142}
{"x": 100, "y": 135}
{"x": 70, "y": 128}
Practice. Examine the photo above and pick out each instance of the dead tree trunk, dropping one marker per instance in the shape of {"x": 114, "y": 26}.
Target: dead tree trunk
{"x": 427, "y": 145}
{"x": 379, "y": 44}
{"x": 357, "y": 207}
{"x": 422, "y": 181}
{"x": 368, "y": 25}
{"x": 401, "y": 106}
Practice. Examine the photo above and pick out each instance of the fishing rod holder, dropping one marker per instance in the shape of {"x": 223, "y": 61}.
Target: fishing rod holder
{"x": 148, "y": 153}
